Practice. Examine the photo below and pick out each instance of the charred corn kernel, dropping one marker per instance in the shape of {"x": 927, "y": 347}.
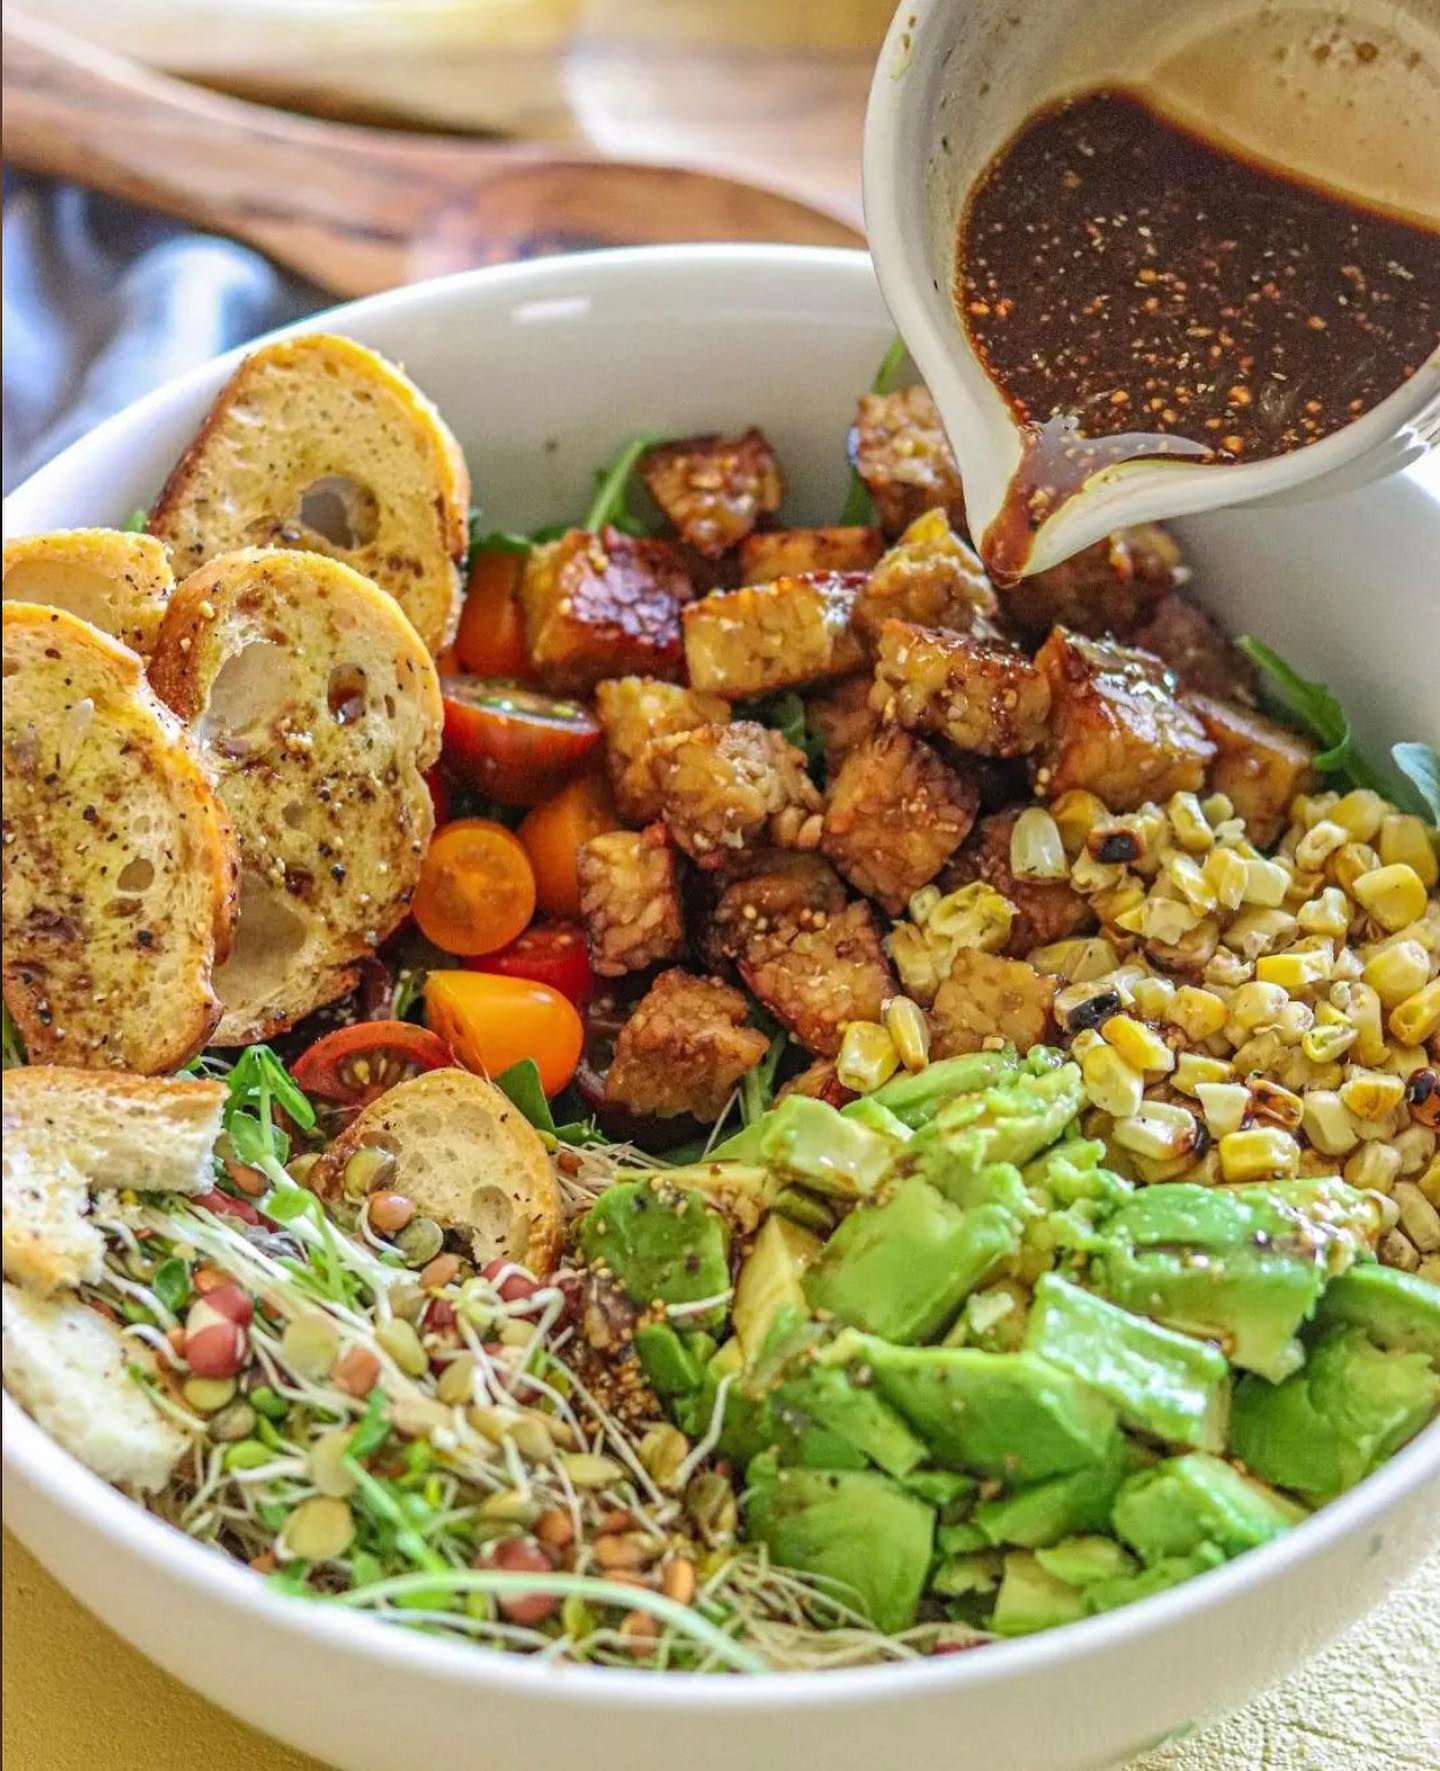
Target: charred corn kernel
{"x": 1140, "y": 1046}
{"x": 1298, "y": 970}
{"x": 1111, "y": 1084}
{"x": 1150, "y": 997}
{"x": 1330, "y": 1037}
{"x": 1154, "y": 918}
{"x": 1224, "y": 1105}
{"x": 906, "y": 1024}
{"x": 868, "y": 1057}
{"x": 1079, "y": 961}
{"x": 1037, "y": 850}
{"x": 1320, "y": 842}
{"x": 1406, "y": 841}
{"x": 1397, "y": 971}
{"x": 1255, "y": 1005}
{"x": 1266, "y": 883}
{"x": 1294, "y": 1021}
{"x": 1217, "y": 807}
{"x": 1276, "y": 1104}
{"x": 1327, "y": 1123}
{"x": 1372, "y": 1094}
{"x": 1329, "y": 914}
{"x": 1360, "y": 1006}
{"x": 1418, "y": 1217}
{"x": 1374, "y": 1168}
{"x": 1415, "y": 1146}
{"x": 1397, "y": 1250}
{"x": 1225, "y": 970}
{"x": 1188, "y": 878}
{"x": 1257, "y": 1153}
{"x": 1188, "y": 821}
{"x": 1193, "y": 951}
{"x": 1090, "y": 876}
{"x": 1076, "y": 814}
{"x": 1418, "y": 1017}
{"x": 1257, "y": 930}
{"x": 1199, "y": 1014}
{"x": 1393, "y": 895}
{"x": 1429, "y": 1183}
{"x": 1226, "y": 874}
{"x": 1193, "y": 1068}
{"x": 1160, "y": 1131}
{"x": 1360, "y": 813}
{"x": 1262, "y": 1051}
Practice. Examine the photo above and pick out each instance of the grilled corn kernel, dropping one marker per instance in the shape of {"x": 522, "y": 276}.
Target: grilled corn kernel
{"x": 1405, "y": 1060}
{"x": 1393, "y": 895}
{"x": 1327, "y": 1123}
{"x": 1418, "y": 1017}
{"x": 1140, "y": 1046}
{"x": 1154, "y": 918}
{"x": 1160, "y": 1131}
{"x": 1076, "y": 814}
{"x": 1346, "y": 865}
{"x": 1298, "y": 970}
{"x": 1330, "y": 1037}
{"x": 1089, "y": 875}
{"x": 1275, "y": 1104}
{"x": 1405, "y": 840}
{"x": 1126, "y": 907}
{"x": 1257, "y": 930}
{"x": 906, "y": 1024}
{"x": 1360, "y": 813}
{"x": 1150, "y": 997}
{"x": 1329, "y": 914}
{"x": 1429, "y": 1183}
{"x": 1257, "y": 1153}
{"x": 1415, "y": 1146}
{"x": 1227, "y": 875}
{"x": 1224, "y": 1105}
{"x": 1217, "y": 807}
{"x": 1397, "y": 1250}
{"x": 1361, "y": 1008}
{"x": 1079, "y": 961}
{"x": 1187, "y": 876}
{"x": 1193, "y": 1068}
{"x": 868, "y": 1057}
{"x": 1111, "y": 1084}
{"x": 1086, "y": 1040}
{"x": 1320, "y": 842}
{"x": 1266, "y": 883}
{"x": 1199, "y": 1014}
{"x": 1037, "y": 850}
{"x": 1188, "y": 821}
{"x": 1374, "y": 1168}
{"x": 1372, "y": 1094}
{"x": 1257, "y": 1005}
{"x": 1418, "y": 1217}
{"x": 1397, "y": 971}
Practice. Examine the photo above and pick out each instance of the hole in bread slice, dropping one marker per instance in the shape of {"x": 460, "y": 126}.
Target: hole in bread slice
{"x": 252, "y": 689}
{"x": 339, "y": 510}
{"x": 268, "y": 938}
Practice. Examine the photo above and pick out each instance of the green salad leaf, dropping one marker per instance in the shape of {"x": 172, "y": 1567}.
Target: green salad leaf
{"x": 171, "y": 1284}
{"x": 258, "y": 1084}
{"x": 136, "y": 523}
{"x": 757, "y": 1091}
{"x": 785, "y": 713}
{"x": 858, "y": 508}
{"x": 611, "y": 503}
{"x": 1420, "y": 765}
{"x": 521, "y": 1082}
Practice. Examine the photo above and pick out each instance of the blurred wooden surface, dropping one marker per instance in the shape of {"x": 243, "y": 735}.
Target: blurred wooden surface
{"x": 355, "y": 209}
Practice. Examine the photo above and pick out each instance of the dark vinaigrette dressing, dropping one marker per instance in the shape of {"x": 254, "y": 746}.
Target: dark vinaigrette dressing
{"x": 1134, "y": 290}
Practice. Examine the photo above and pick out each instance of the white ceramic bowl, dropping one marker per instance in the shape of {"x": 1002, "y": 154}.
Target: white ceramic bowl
{"x": 541, "y": 368}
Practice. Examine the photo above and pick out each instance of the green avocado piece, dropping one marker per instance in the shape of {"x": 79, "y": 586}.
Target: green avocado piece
{"x": 970, "y": 1572}
{"x": 1044, "y": 1512}
{"x": 673, "y": 1370}
{"x": 948, "y": 1490}
{"x": 902, "y": 1269}
{"x": 960, "y": 1539}
{"x": 1031, "y": 1598}
{"x": 1183, "y": 1502}
{"x": 828, "y": 1395}
{"x": 1011, "y": 1415}
{"x": 1399, "y": 1311}
{"x": 752, "y": 1422}
{"x": 916, "y": 1097}
{"x": 662, "y": 1244}
{"x": 1073, "y": 1173}
{"x": 1241, "y": 1265}
{"x": 771, "y": 1280}
{"x": 867, "y": 1111}
{"x": 857, "y": 1528}
{"x": 1080, "y": 1561}
{"x": 1322, "y": 1430}
{"x": 1171, "y": 1571}
{"x": 808, "y": 1142}
{"x": 1163, "y": 1383}
{"x": 1011, "y": 1122}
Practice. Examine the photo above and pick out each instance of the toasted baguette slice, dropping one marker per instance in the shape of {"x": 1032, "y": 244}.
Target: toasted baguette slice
{"x": 67, "y": 1365}
{"x": 468, "y": 1158}
{"x": 317, "y": 707}
{"x": 318, "y": 443}
{"x": 116, "y": 581}
{"x": 69, "y": 1133}
{"x": 120, "y": 864}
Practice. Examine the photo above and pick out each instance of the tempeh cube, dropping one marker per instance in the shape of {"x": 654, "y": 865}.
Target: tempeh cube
{"x": 899, "y": 449}
{"x": 1046, "y": 909}
{"x": 630, "y": 900}
{"x": 1197, "y": 649}
{"x": 685, "y": 1049}
{"x": 988, "y": 1000}
{"x": 721, "y": 787}
{"x": 981, "y": 694}
{"x": 750, "y": 642}
{"x": 816, "y": 979}
{"x": 635, "y": 710}
{"x": 1259, "y": 765}
{"x": 792, "y": 553}
{"x": 714, "y": 489}
{"x": 841, "y": 717}
{"x": 1109, "y": 588}
{"x": 602, "y": 605}
{"x": 931, "y": 577}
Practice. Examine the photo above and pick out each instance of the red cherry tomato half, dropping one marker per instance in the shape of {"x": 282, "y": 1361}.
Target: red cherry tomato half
{"x": 353, "y": 1066}
{"x": 513, "y": 743}
{"x": 440, "y": 795}
{"x": 550, "y": 953}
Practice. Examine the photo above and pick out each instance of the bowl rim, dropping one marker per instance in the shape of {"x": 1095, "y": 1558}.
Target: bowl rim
{"x": 35, "y": 1460}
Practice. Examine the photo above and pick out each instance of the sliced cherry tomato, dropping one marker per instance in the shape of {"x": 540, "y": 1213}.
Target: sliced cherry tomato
{"x": 490, "y": 640}
{"x": 492, "y": 1022}
{"x": 513, "y": 743}
{"x": 440, "y": 795}
{"x": 351, "y": 1067}
{"x": 448, "y": 662}
{"x": 550, "y": 953}
{"x": 476, "y": 890}
{"x": 555, "y": 832}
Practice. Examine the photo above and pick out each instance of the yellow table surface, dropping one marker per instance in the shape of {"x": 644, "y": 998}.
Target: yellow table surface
{"x": 1370, "y": 1703}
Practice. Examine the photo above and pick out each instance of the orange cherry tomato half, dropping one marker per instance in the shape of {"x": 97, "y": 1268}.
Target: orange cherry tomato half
{"x": 513, "y": 743}
{"x": 490, "y": 640}
{"x": 550, "y": 953}
{"x": 477, "y": 888}
{"x": 492, "y": 1022}
{"x": 355, "y": 1065}
{"x": 555, "y": 832}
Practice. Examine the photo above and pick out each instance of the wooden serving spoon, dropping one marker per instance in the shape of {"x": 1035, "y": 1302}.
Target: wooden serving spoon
{"x": 353, "y": 209}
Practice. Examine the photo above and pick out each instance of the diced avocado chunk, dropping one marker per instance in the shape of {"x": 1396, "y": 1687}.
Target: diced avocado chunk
{"x": 1351, "y": 1407}
{"x": 972, "y": 1572}
{"x": 1241, "y": 1265}
{"x": 1187, "y": 1501}
{"x": 867, "y": 1111}
{"x": 1164, "y": 1383}
{"x": 1011, "y": 1122}
{"x": 856, "y": 1528}
{"x": 1080, "y": 1561}
{"x": 902, "y": 1269}
{"x": 828, "y": 1395}
{"x": 1171, "y": 1571}
{"x": 1011, "y": 1415}
{"x": 1044, "y": 1512}
{"x": 805, "y": 1209}
{"x": 672, "y": 1368}
{"x": 752, "y": 1421}
{"x": 916, "y": 1097}
{"x": 807, "y": 1141}
{"x": 662, "y": 1244}
{"x": 960, "y": 1539}
{"x": 1399, "y": 1311}
{"x": 948, "y": 1490}
{"x": 1031, "y": 1598}
{"x": 770, "y": 1280}
{"x": 1072, "y": 1173}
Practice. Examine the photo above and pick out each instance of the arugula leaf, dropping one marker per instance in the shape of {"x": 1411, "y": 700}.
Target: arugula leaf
{"x": 611, "y": 503}
{"x": 785, "y": 713}
{"x": 757, "y": 1091}
{"x": 1420, "y": 765}
{"x": 13, "y": 1044}
{"x": 171, "y": 1284}
{"x": 499, "y": 541}
{"x": 858, "y": 509}
{"x": 521, "y": 1082}
{"x": 1318, "y": 710}
{"x": 136, "y": 523}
